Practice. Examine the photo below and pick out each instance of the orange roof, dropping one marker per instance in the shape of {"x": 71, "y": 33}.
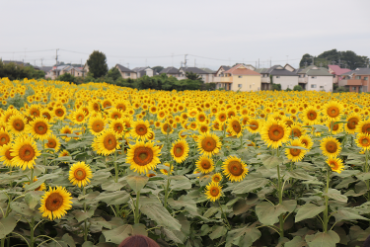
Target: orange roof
{"x": 241, "y": 70}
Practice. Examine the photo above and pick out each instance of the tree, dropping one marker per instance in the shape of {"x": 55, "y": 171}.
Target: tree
{"x": 276, "y": 87}
{"x": 67, "y": 77}
{"x": 157, "y": 69}
{"x": 193, "y": 76}
{"x": 97, "y": 63}
{"x": 114, "y": 73}
{"x": 297, "y": 88}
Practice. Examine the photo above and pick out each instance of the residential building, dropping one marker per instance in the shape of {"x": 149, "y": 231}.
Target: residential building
{"x": 240, "y": 78}
{"x": 171, "y": 71}
{"x": 141, "y": 71}
{"x": 218, "y": 74}
{"x": 207, "y": 77}
{"x": 357, "y": 80}
{"x": 126, "y": 73}
{"x": 337, "y": 72}
{"x": 315, "y": 79}
{"x": 279, "y": 75}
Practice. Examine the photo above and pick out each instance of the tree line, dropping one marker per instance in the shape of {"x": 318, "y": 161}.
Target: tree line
{"x": 19, "y": 71}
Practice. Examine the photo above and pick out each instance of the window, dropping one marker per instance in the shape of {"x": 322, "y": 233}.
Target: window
{"x": 250, "y": 86}
{"x": 277, "y": 77}
{"x": 313, "y": 85}
{"x": 365, "y": 78}
{"x": 353, "y": 88}
{"x": 127, "y": 74}
{"x": 239, "y": 85}
{"x": 240, "y": 76}
{"x": 358, "y": 77}
{"x": 321, "y": 86}
{"x": 313, "y": 77}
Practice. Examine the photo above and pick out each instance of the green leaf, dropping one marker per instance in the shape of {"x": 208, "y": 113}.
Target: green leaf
{"x": 81, "y": 215}
{"x": 348, "y": 214}
{"x": 118, "y": 234}
{"x": 159, "y": 214}
{"x": 172, "y": 236}
{"x": 139, "y": 229}
{"x": 211, "y": 211}
{"x": 322, "y": 239}
{"x": 88, "y": 244}
{"x": 308, "y": 211}
{"x": 297, "y": 241}
{"x": 296, "y": 147}
{"x": 114, "y": 198}
{"x": 69, "y": 240}
{"x": 32, "y": 198}
{"x": 301, "y": 175}
{"x": 7, "y": 225}
{"x": 217, "y": 232}
{"x": 243, "y": 237}
{"x": 270, "y": 161}
{"x": 137, "y": 182}
{"x": 268, "y": 214}
{"x": 250, "y": 184}
{"x": 336, "y": 195}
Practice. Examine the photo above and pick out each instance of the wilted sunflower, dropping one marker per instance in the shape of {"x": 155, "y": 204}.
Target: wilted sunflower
{"x": 143, "y": 156}
{"x": 25, "y": 152}
{"x": 106, "y": 143}
{"x": 217, "y": 177}
{"x": 209, "y": 144}
{"x": 363, "y": 141}
{"x": 306, "y": 141}
{"x": 352, "y": 122}
{"x": 275, "y": 133}
{"x": 17, "y": 124}
{"x": 363, "y": 127}
{"x": 205, "y": 164}
{"x": 234, "y": 126}
{"x": 234, "y": 169}
{"x": 39, "y": 128}
{"x": 80, "y": 174}
{"x": 165, "y": 171}
{"x": 140, "y": 129}
{"x": 96, "y": 125}
{"x": 55, "y": 203}
{"x": 330, "y": 146}
{"x": 66, "y": 130}
{"x": 180, "y": 150}
{"x": 335, "y": 164}
{"x": 295, "y": 154}
{"x": 333, "y": 110}
{"x": 52, "y": 142}
{"x": 5, "y": 137}
{"x": 213, "y": 191}
{"x": 42, "y": 187}
{"x": 5, "y": 156}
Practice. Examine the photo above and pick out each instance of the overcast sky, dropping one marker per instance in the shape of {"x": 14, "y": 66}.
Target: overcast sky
{"x": 160, "y": 32}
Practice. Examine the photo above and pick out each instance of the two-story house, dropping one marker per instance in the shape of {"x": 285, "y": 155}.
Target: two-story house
{"x": 240, "y": 78}
{"x": 279, "y": 75}
{"x": 141, "y": 71}
{"x": 126, "y": 73}
{"x": 337, "y": 72}
{"x": 207, "y": 77}
{"x": 357, "y": 80}
{"x": 171, "y": 71}
{"x": 315, "y": 78}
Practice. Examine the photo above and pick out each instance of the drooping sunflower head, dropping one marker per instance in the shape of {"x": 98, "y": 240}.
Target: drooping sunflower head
{"x": 363, "y": 141}
{"x": 234, "y": 169}
{"x": 106, "y": 143}
{"x": 295, "y": 154}
{"x": 333, "y": 110}
{"x": 66, "y": 130}
{"x": 40, "y": 128}
{"x": 166, "y": 128}
{"x": 24, "y": 152}
{"x": 140, "y": 129}
{"x": 217, "y": 177}
{"x": 180, "y": 151}
{"x": 209, "y": 144}
{"x": 143, "y": 156}
{"x": 234, "y": 126}
{"x": 275, "y": 133}
{"x": 80, "y": 174}
{"x": 205, "y": 164}
{"x": 55, "y": 203}
{"x": 330, "y": 146}
{"x": 213, "y": 191}
{"x": 335, "y": 164}
{"x": 352, "y": 122}
{"x": 5, "y": 156}
{"x": 96, "y": 125}
{"x": 183, "y": 134}
{"x": 17, "y": 124}
{"x": 306, "y": 141}
{"x": 52, "y": 142}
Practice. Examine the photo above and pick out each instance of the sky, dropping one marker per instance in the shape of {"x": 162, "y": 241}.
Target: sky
{"x": 212, "y": 33}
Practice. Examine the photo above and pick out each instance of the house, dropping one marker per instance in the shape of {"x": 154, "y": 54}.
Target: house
{"x": 357, "y": 80}
{"x": 240, "y": 78}
{"x": 337, "y": 72}
{"x": 141, "y": 71}
{"x": 56, "y": 71}
{"x": 315, "y": 79}
{"x": 217, "y": 76}
{"x": 171, "y": 71}
{"x": 277, "y": 74}
{"x": 126, "y": 73}
{"x": 207, "y": 77}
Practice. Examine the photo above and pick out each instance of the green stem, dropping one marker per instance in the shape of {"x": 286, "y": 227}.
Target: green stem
{"x": 44, "y": 157}
{"x": 366, "y": 169}
{"x": 226, "y": 220}
{"x": 115, "y": 167}
{"x": 32, "y": 232}
{"x": 85, "y": 229}
{"x": 31, "y": 178}
{"x": 166, "y": 192}
{"x": 326, "y": 211}
{"x": 280, "y": 193}
{"x": 137, "y": 216}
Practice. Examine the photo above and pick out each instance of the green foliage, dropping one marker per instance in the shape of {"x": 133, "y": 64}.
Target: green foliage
{"x": 276, "y": 87}
{"x": 97, "y": 63}
{"x": 193, "y": 76}
{"x": 67, "y": 77}
{"x": 157, "y": 69}
{"x": 15, "y": 72}
{"x": 341, "y": 90}
{"x": 297, "y": 88}
{"x": 114, "y": 74}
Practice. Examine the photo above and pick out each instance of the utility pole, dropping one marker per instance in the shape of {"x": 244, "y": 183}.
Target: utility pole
{"x": 185, "y": 60}
{"x": 270, "y": 63}
{"x": 56, "y": 57}
{"x": 258, "y": 63}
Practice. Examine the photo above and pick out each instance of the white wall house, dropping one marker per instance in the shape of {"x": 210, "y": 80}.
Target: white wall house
{"x": 280, "y": 75}
{"x": 316, "y": 79}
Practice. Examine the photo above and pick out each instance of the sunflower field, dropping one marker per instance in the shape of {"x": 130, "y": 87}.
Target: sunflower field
{"x": 92, "y": 164}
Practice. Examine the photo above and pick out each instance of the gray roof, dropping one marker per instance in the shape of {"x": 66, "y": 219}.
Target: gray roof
{"x": 194, "y": 70}
{"x": 170, "y": 70}
{"x": 361, "y": 71}
{"x": 348, "y": 73}
{"x": 313, "y": 70}
{"x": 46, "y": 68}
{"x": 16, "y": 62}
{"x": 138, "y": 69}
{"x": 208, "y": 70}
{"x": 225, "y": 67}
{"x": 123, "y": 68}
{"x": 276, "y": 70}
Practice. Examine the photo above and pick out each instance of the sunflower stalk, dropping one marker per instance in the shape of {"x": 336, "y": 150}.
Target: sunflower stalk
{"x": 226, "y": 220}
{"x": 326, "y": 211}
{"x": 137, "y": 215}
{"x": 32, "y": 231}
{"x": 115, "y": 167}
{"x": 85, "y": 229}
{"x": 167, "y": 192}
{"x": 280, "y": 194}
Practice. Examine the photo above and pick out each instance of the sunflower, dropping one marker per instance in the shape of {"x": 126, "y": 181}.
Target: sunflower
{"x": 209, "y": 144}
{"x": 296, "y": 130}
{"x": 143, "y": 156}
{"x": 363, "y": 127}
{"x": 306, "y": 141}
{"x": 42, "y": 187}
{"x": 333, "y": 110}
{"x": 5, "y": 137}
{"x": 166, "y": 128}
{"x": 310, "y": 115}
{"x": 60, "y": 112}
{"x": 151, "y": 136}
{"x": 203, "y": 128}
{"x": 254, "y": 125}
{"x": 363, "y": 141}
{"x": 213, "y": 191}
{"x": 55, "y": 203}
{"x": 217, "y": 177}
{"x": 96, "y": 125}
{"x": 106, "y": 143}
{"x": 335, "y": 128}
{"x": 275, "y": 133}
{"x": 183, "y": 134}
{"x": 234, "y": 126}
{"x": 165, "y": 171}
{"x": 80, "y": 174}
{"x": 39, "y": 128}
{"x": 330, "y": 146}
{"x": 234, "y": 169}
{"x": 352, "y": 121}
{"x": 180, "y": 151}
{"x": 5, "y": 156}
{"x": 24, "y": 152}
{"x": 66, "y": 130}
{"x": 335, "y": 164}
{"x": 140, "y": 129}
{"x": 17, "y": 124}
{"x": 205, "y": 164}
{"x": 222, "y": 117}
{"x": 295, "y": 154}
{"x": 52, "y": 142}
{"x": 64, "y": 153}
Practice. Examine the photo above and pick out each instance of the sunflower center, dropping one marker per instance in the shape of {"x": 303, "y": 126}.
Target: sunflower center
{"x": 236, "y": 126}
{"x": 80, "y": 174}
{"x": 51, "y": 144}
{"x": 110, "y": 142}
{"x": 59, "y": 112}
{"x": 296, "y": 133}
{"x": 366, "y": 128}
{"x": 333, "y": 111}
{"x": 365, "y": 141}
{"x": 141, "y": 129}
{"x": 80, "y": 117}
{"x": 336, "y": 127}
{"x": 209, "y": 144}
{"x": 54, "y": 202}
{"x": 216, "y": 179}
{"x": 18, "y": 125}
{"x": 295, "y": 151}
{"x": 276, "y": 132}
{"x": 331, "y": 147}
{"x": 214, "y": 191}
{"x": 254, "y": 125}
{"x": 46, "y": 115}
{"x": 235, "y": 168}
{"x": 40, "y": 128}
{"x": 312, "y": 115}
{"x": 352, "y": 122}
{"x": 179, "y": 150}
{"x": 4, "y": 139}
{"x": 304, "y": 142}
{"x": 167, "y": 128}
{"x": 98, "y": 126}
{"x": 7, "y": 155}
{"x": 26, "y": 152}
{"x": 143, "y": 156}
{"x": 206, "y": 164}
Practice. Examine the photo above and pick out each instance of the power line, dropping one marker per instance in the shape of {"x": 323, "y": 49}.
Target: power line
{"x": 25, "y": 51}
